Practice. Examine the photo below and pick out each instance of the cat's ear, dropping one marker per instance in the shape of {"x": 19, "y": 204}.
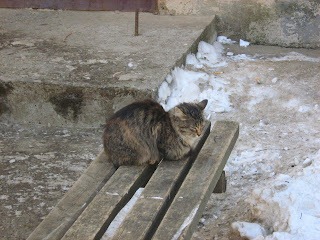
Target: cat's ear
{"x": 203, "y": 104}
{"x": 178, "y": 113}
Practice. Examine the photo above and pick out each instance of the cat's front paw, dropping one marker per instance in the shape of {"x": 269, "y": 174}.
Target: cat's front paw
{"x": 152, "y": 162}
{"x": 189, "y": 153}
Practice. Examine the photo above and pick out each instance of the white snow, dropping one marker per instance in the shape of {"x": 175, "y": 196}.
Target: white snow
{"x": 210, "y": 55}
{"x": 4, "y": 197}
{"x": 192, "y": 60}
{"x": 244, "y": 43}
{"x": 305, "y": 108}
{"x": 114, "y": 225}
{"x": 258, "y": 94}
{"x": 292, "y": 103}
{"x": 241, "y": 57}
{"x": 249, "y": 230}
{"x": 296, "y": 202}
{"x": 157, "y": 198}
{"x": 113, "y": 194}
{"x": 224, "y": 40}
{"x": 288, "y": 205}
{"x": 164, "y": 91}
{"x": 294, "y": 56}
{"x": 186, "y": 222}
{"x": 189, "y": 86}
{"x": 306, "y": 162}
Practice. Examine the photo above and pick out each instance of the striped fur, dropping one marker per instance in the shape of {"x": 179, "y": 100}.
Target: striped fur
{"x": 144, "y": 133}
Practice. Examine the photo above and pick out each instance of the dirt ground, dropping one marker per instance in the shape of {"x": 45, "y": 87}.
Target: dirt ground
{"x": 37, "y": 168}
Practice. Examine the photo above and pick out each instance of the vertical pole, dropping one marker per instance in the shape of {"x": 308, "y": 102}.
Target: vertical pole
{"x": 136, "y": 26}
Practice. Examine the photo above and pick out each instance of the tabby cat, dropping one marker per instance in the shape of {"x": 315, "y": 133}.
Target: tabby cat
{"x": 144, "y": 133}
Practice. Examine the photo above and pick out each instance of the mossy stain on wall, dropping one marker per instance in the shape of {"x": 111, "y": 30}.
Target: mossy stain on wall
{"x": 68, "y": 103}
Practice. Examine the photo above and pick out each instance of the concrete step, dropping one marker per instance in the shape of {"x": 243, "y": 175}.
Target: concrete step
{"x": 67, "y": 68}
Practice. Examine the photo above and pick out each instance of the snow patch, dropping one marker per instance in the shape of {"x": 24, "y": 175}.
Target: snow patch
{"x": 305, "y": 108}
{"x": 241, "y": 57}
{"x": 157, "y": 198}
{"x": 249, "y": 230}
{"x": 183, "y": 85}
{"x": 114, "y": 225}
{"x": 186, "y": 222}
{"x": 192, "y": 60}
{"x": 258, "y": 94}
{"x": 4, "y": 197}
{"x": 210, "y": 54}
{"x": 296, "y": 201}
{"x": 113, "y": 194}
{"x": 225, "y": 40}
{"x": 244, "y": 43}
{"x": 294, "y": 56}
{"x": 291, "y": 104}
{"x": 164, "y": 91}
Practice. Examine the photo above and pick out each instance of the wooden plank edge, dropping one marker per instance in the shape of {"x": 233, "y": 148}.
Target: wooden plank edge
{"x": 182, "y": 175}
{"x": 195, "y": 214}
{"x": 144, "y": 178}
{"x": 54, "y": 226}
{"x": 95, "y": 228}
{"x": 188, "y": 231}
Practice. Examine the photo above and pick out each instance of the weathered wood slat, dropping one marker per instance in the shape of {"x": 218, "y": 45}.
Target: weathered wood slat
{"x": 96, "y": 218}
{"x": 69, "y": 208}
{"x": 143, "y": 219}
{"x": 189, "y": 203}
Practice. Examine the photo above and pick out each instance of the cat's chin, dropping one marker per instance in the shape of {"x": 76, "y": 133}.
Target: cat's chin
{"x": 191, "y": 140}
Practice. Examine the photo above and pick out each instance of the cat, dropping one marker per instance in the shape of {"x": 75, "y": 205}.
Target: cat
{"x": 144, "y": 133}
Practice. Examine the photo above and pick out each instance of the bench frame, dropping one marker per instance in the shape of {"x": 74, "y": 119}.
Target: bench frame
{"x": 174, "y": 196}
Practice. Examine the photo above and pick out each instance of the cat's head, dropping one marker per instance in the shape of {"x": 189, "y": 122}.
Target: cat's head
{"x": 188, "y": 118}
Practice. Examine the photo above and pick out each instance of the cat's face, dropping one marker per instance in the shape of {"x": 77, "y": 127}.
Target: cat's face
{"x": 189, "y": 119}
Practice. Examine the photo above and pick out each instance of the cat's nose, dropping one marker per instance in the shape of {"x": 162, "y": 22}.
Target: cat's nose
{"x": 198, "y": 131}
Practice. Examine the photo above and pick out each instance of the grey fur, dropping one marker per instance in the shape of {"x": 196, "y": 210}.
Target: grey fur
{"x": 144, "y": 133}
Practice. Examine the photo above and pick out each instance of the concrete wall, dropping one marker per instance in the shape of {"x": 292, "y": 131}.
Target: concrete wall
{"x": 288, "y": 23}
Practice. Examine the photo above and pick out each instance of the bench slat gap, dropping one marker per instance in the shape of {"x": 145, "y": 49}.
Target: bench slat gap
{"x": 120, "y": 188}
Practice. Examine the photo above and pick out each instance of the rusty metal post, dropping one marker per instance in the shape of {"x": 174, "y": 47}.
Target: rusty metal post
{"x": 136, "y": 26}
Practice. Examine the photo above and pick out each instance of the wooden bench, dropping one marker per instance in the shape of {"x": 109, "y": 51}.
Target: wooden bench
{"x": 174, "y": 196}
